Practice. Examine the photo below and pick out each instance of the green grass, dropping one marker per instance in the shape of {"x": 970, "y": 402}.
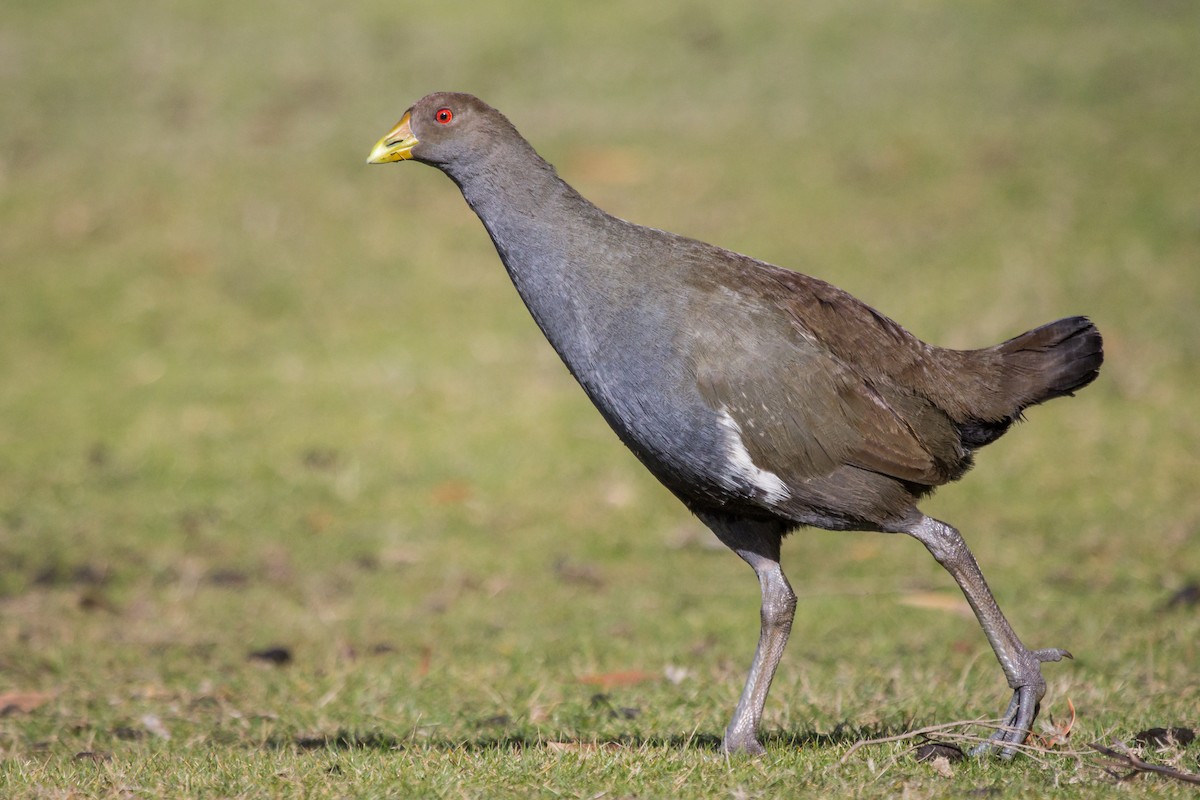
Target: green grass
{"x": 254, "y": 393}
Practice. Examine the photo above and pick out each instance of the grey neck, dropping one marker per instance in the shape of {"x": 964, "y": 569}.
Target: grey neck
{"x": 549, "y": 236}
{"x": 543, "y": 230}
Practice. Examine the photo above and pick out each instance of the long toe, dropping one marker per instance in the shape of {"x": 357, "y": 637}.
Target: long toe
{"x": 1014, "y": 725}
{"x": 1000, "y": 735}
{"x": 1017, "y": 720}
{"x": 1028, "y": 705}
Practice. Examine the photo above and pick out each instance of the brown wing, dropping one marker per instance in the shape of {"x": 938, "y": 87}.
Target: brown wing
{"x": 803, "y": 411}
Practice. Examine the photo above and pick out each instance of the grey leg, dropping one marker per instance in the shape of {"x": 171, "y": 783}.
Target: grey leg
{"x": 1021, "y": 665}
{"x": 758, "y": 544}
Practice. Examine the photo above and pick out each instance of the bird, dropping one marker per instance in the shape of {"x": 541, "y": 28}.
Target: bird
{"x": 764, "y": 399}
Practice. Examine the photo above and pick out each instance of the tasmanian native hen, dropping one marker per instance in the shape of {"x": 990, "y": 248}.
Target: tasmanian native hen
{"x": 764, "y": 399}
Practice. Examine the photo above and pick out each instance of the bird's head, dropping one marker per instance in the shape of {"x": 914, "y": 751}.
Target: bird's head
{"x": 440, "y": 129}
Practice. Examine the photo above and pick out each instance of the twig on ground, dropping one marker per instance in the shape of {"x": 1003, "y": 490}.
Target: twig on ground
{"x": 1123, "y": 757}
{"x": 946, "y": 730}
{"x": 946, "y": 726}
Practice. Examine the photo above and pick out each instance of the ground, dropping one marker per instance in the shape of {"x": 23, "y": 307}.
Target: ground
{"x": 295, "y": 501}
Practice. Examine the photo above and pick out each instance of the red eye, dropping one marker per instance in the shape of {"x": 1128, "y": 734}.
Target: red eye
{"x": 444, "y": 115}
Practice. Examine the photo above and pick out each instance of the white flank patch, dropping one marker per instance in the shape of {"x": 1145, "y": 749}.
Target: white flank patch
{"x": 744, "y": 468}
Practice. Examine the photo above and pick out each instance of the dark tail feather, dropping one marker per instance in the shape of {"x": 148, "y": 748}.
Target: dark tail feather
{"x": 1052, "y": 361}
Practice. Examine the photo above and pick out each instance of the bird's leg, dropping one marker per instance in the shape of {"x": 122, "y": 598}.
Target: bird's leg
{"x": 1021, "y": 665}
{"x": 758, "y": 544}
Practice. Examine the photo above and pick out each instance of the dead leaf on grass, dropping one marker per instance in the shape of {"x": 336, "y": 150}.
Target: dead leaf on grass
{"x": 609, "y": 680}
{"x": 941, "y": 765}
{"x": 22, "y": 702}
{"x": 1059, "y": 732}
{"x": 450, "y": 493}
{"x": 1165, "y": 737}
{"x": 425, "y": 661}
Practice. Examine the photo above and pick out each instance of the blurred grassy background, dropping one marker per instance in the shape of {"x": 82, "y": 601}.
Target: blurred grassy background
{"x": 254, "y": 393}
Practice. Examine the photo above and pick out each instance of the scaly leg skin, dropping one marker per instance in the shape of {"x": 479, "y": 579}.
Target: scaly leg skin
{"x": 758, "y": 544}
{"x": 1022, "y": 666}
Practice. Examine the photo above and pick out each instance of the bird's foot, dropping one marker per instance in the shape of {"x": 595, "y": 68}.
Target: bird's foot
{"x": 744, "y": 745}
{"x": 1028, "y": 689}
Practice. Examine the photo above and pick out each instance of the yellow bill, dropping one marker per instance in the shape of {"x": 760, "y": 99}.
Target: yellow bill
{"x": 397, "y": 145}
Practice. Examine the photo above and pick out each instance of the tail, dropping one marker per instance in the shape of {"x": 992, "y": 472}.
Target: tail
{"x": 1052, "y": 361}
